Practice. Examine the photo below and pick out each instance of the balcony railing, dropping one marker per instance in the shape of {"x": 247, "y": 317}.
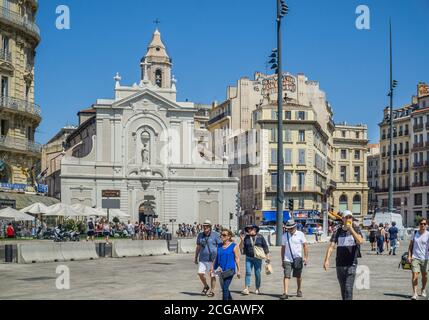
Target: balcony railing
{"x": 19, "y": 21}
{"x": 219, "y": 117}
{"x": 5, "y": 55}
{"x": 401, "y": 151}
{"x": 407, "y": 151}
{"x": 418, "y": 164}
{"x": 418, "y": 145}
{"x": 406, "y": 133}
{"x": 418, "y": 127}
{"x": 401, "y": 133}
{"x": 20, "y": 105}
{"x": 20, "y": 144}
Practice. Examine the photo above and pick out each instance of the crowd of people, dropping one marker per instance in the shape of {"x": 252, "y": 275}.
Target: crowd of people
{"x": 383, "y": 238}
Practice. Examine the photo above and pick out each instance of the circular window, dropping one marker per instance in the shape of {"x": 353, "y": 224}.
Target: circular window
{"x": 158, "y": 49}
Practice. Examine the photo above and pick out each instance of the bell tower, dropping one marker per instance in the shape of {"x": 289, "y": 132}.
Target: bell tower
{"x": 156, "y": 64}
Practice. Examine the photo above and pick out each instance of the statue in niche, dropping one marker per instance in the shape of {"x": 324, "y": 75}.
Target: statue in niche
{"x": 146, "y": 147}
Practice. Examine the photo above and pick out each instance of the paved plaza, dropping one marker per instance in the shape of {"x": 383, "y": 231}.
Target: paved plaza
{"x": 174, "y": 277}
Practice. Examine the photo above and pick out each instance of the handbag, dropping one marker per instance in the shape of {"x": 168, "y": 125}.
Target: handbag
{"x": 404, "y": 259}
{"x": 268, "y": 269}
{"x": 297, "y": 263}
{"x": 227, "y": 274}
{"x": 258, "y": 251}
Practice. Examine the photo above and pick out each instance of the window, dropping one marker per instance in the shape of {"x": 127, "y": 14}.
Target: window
{"x": 343, "y": 134}
{"x": 158, "y": 77}
{"x": 273, "y": 135}
{"x": 357, "y": 174}
{"x": 356, "y": 205}
{"x": 6, "y": 45}
{"x": 301, "y": 135}
{"x": 343, "y": 154}
{"x": 288, "y": 115}
{"x": 301, "y": 203}
{"x": 301, "y": 181}
{"x": 287, "y": 135}
{"x": 273, "y": 202}
{"x": 288, "y": 156}
{"x": 343, "y": 203}
{"x": 357, "y": 154}
{"x": 357, "y": 135}
{"x": 288, "y": 181}
{"x": 273, "y": 156}
{"x": 4, "y": 127}
{"x": 274, "y": 180}
{"x": 4, "y": 87}
{"x": 274, "y": 115}
{"x": 418, "y": 199}
{"x": 301, "y": 115}
{"x": 301, "y": 156}
{"x": 343, "y": 173}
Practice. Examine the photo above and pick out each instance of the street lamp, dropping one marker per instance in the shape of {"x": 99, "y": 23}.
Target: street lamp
{"x": 276, "y": 64}
{"x": 393, "y": 85}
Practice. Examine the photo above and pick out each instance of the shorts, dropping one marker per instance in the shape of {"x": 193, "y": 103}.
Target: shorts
{"x": 288, "y": 270}
{"x": 106, "y": 233}
{"x": 204, "y": 267}
{"x": 372, "y": 239}
{"x": 91, "y": 233}
{"x": 419, "y": 266}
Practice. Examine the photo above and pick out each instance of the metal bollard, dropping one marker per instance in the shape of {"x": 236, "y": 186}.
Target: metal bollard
{"x": 102, "y": 250}
{"x": 8, "y": 253}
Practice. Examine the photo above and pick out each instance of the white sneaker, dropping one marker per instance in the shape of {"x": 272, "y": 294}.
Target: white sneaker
{"x": 424, "y": 294}
{"x": 245, "y": 292}
{"x": 257, "y": 292}
{"x": 414, "y": 297}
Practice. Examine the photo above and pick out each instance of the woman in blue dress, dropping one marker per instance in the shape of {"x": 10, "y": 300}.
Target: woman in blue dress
{"x": 227, "y": 262}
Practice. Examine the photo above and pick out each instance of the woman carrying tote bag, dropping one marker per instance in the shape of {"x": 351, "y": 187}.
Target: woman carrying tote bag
{"x": 255, "y": 247}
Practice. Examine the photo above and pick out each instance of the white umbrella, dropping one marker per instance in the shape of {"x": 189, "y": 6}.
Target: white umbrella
{"x": 62, "y": 210}
{"x": 36, "y": 208}
{"x": 101, "y": 212}
{"x": 85, "y": 210}
{"x": 118, "y": 214}
{"x": 13, "y": 214}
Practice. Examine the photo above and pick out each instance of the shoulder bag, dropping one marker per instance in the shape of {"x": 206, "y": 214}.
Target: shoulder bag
{"x": 297, "y": 262}
{"x": 258, "y": 252}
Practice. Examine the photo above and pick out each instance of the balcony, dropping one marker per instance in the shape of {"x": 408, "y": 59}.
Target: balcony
{"x": 406, "y": 133}
{"x": 418, "y": 127}
{"x": 219, "y": 117}
{"x": 407, "y": 151}
{"x": 401, "y": 133}
{"x": 5, "y": 55}
{"x": 418, "y": 184}
{"x": 418, "y": 146}
{"x": 401, "y": 151}
{"x": 19, "y": 21}
{"x": 418, "y": 164}
{"x": 20, "y": 144}
{"x": 20, "y": 106}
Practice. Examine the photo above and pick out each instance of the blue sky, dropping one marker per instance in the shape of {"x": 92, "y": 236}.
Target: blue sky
{"x": 214, "y": 43}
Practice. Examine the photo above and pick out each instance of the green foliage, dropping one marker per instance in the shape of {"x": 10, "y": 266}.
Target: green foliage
{"x": 81, "y": 227}
{"x": 70, "y": 225}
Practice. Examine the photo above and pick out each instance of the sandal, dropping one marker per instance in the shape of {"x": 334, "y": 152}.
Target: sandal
{"x": 205, "y": 290}
{"x": 211, "y": 294}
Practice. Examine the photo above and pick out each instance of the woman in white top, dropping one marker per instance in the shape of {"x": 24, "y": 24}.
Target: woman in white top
{"x": 106, "y": 231}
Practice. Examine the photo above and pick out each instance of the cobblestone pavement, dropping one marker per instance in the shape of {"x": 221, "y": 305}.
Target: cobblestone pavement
{"x": 174, "y": 278}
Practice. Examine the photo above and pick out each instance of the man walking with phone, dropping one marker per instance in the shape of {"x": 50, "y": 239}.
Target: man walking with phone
{"x": 348, "y": 239}
{"x": 293, "y": 245}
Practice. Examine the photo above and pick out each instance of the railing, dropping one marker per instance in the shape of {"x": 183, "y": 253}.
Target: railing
{"x": 418, "y": 145}
{"x": 418, "y": 127}
{"x": 20, "y": 21}
{"x": 406, "y": 133}
{"x": 20, "y": 144}
{"x": 418, "y": 164}
{"x": 407, "y": 151}
{"x": 20, "y": 105}
{"x": 401, "y": 133}
{"x": 5, "y": 55}
{"x": 219, "y": 117}
{"x": 401, "y": 151}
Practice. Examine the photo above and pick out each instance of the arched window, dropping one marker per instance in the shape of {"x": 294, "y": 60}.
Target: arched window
{"x": 343, "y": 203}
{"x": 357, "y": 205}
{"x": 5, "y": 172}
{"x": 158, "y": 77}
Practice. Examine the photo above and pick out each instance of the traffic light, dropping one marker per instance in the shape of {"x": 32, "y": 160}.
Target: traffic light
{"x": 274, "y": 60}
{"x": 290, "y": 205}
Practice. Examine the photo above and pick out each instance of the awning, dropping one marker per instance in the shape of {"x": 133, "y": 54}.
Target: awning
{"x": 271, "y": 216}
{"x": 24, "y": 200}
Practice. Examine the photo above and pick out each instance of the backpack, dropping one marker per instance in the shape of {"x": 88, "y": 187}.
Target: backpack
{"x": 404, "y": 263}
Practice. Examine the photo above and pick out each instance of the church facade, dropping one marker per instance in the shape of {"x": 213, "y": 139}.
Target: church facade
{"x": 143, "y": 147}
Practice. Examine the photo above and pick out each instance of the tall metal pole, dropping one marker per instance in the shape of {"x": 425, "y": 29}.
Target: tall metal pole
{"x": 280, "y": 161}
{"x": 391, "y": 125}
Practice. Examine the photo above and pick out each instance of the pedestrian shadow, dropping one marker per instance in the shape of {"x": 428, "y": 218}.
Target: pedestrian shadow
{"x": 398, "y": 295}
{"x": 193, "y": 294}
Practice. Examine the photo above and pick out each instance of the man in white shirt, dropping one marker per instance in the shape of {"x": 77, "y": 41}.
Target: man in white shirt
{"x": 293, "y": 245}
{"x": 418, "y": 256}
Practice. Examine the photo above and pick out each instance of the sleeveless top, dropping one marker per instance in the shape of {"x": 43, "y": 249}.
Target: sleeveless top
{"x": 226, "y": 257}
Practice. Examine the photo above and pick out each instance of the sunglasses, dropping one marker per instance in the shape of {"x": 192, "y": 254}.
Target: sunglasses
{"x": 423, "y": 224}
